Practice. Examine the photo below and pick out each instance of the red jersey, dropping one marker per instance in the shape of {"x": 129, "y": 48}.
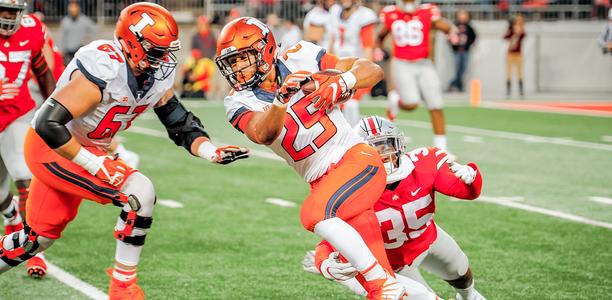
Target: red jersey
{"x": 410, "y": 31}
{"x": 58, "y": 60}
{"x": 406, "y": 208}
{"x": 18, "y": 53}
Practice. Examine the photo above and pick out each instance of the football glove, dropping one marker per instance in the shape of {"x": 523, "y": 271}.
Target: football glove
{"x": 110, "y": 169}
{"x": 8, "y": 91}
{"x": 332, "y": 268}
{"x": 330, "y": 88}
{"x": 222, "y": 155}
{"x": 308, "y": 263}
{"x": 464, "y": 172}
{"x": 291, "y": 86}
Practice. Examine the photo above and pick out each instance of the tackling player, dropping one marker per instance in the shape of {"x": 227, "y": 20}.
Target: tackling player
{"x": 24, "y": 38}
{"x": 102, "y": 90}
{"x": 346, "y": 175}
{"x": 412, "y": 72}
{"x": 352, "y": 27}
{"x": 405, "y": 212}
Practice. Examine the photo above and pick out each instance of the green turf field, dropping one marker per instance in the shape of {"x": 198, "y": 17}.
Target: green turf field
{"x": 228, "y": 243}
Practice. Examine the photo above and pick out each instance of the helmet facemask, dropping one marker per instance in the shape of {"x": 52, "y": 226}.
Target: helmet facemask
{"x": 390, "y": 148}
{"x": 8, "y": 26}
{"x": 243, "y": 68}
{"x": 159, "y": 61}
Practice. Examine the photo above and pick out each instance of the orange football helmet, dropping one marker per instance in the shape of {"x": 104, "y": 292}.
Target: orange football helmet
{"x": 149, "y": 37}
{"x": 246, "y": 35}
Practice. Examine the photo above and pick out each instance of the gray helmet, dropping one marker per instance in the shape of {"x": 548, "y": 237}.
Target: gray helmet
{"x": 385, "y": 137}
{"x": 9, "y": 26}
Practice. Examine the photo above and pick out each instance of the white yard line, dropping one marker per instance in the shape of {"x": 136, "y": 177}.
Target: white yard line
{"x": 544, "y": 211}
{"x": 511, "y": 135}
{"x": 508, "y": 202}
{"x": 170, "y": 203}
{"x": 75, "y": 283}
{"x": 603, "y": 200}
{"x": 280, "y": 202}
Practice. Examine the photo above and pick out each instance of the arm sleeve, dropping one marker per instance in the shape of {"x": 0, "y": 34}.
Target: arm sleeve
{"x": 448, "y": 184}
{"x": 238, "y": 113}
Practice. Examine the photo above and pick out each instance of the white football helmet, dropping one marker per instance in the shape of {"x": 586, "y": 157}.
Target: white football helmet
{"x": 8, "y": 26}
{"x": 386, "y": 138}
{"x": 408, "y": 6}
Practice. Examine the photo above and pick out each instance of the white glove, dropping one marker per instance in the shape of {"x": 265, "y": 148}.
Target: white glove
{"x": 333, "y": 269}
{"x": 309, "y": 262}
{"x": 464, "y": 172}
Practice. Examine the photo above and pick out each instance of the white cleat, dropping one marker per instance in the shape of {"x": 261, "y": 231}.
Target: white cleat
{"x": 474, "y": 296}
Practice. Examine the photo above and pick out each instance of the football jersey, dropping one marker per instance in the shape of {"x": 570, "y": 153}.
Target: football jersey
{"x": 410, "y": 31}
{"x": 103, "y": 63}
{"x": 16, "y": 58}
{"x": 406, "y": 213}
{"x": 311, "y": 140}
{"x": 347, "y": 32}
{"x": 318, "y": 16}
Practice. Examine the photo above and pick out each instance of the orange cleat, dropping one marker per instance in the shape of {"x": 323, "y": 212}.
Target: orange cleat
{"x": 124, "y": 290}
{"x": 36, "y": 266}
{"x": 386, "y": 289}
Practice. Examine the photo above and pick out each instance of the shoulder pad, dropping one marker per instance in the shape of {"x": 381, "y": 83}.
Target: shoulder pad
{"x": 100, "y": 61}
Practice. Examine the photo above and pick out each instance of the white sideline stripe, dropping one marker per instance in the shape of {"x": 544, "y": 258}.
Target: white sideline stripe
{"x": 544, "y": 211}
{"x": 603, "y": 200}
{"x": 75, "y": 283}
{"x": 511, "y": 135}
{"x": 472, "y": 139}
{"x": 170, "y": 203}
{"x": 504, "y": 202}
{"x": 280, "y": 202}
{"x": 161, "y": 134}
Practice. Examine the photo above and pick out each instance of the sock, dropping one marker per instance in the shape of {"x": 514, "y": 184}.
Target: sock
{"x": 354, "y": 285}
{"x": 349, "y": 243}
{"x": 468, "y": 292}
{"x": 439, "y": 140}
{"x": 122, "y": 274}
{"x": 10, "y": 214}
{"x": 351, "y": 112}
{"x": 23, "y": 187}
{"x": 393, "y": 99}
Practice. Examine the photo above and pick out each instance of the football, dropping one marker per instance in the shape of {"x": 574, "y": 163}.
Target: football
{"x": 313, "y": 85}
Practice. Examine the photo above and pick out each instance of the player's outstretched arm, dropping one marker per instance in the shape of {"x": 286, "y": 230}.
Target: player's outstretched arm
{"x": 186, "y": 130}
{"x": 459, "y": 181}
{"x": 44, "y": 75}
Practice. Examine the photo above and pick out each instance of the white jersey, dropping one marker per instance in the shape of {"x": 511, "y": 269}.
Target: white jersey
{"x": 311, "y": 140}
{"x": 103, "y": 63}
{"x": 320, "y": 17}
{"x": 346, "y": 34}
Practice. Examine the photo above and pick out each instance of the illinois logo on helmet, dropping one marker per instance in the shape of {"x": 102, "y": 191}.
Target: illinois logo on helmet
{"x": 246, "y": 52}
{"x": 149, "y": 37}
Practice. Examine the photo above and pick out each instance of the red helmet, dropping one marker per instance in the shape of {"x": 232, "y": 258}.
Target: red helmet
{"x": 149, "y": 37}
{"x": 246, "y": 35}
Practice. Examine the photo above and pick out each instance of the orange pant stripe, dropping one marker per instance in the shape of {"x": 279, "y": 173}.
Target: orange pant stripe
{"x": 346, "y": 190}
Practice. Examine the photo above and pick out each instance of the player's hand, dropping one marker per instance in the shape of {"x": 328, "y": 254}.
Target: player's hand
{"x": 333, "y": 269}
{"x": 228, "y": 154}
{"x": 308, "y": 263}
{"x": 110, "y": 169}
{"x": 464, "y": 172}
{"x": 221, "y": 155}
{"x": 378, "y": 54}
{"x": 330, "y": 88}
{"x": 292, "y": 85}
{"x": 8, "y": 90}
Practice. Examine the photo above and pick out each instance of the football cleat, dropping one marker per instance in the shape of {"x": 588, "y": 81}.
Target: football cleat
{"x": 124, "y": 290}
{"x": 386, "y": 289}
{"x": 36, "y": 266}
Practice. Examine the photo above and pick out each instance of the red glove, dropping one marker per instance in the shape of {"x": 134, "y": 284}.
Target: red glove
{"x": 330, "y": 88}
{"x": 113, "y": 171}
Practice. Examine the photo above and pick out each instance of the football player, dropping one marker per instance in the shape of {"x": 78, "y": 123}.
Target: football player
{"x": 24, "y": 39}
{"x": 352, "y": 27}
{"x": 345, "y": 174}
{"x": 103, "y": 89}
{"x": 405, "y": 212}
{"x": 412, "y": 72}
{"x": 317, "y": 23}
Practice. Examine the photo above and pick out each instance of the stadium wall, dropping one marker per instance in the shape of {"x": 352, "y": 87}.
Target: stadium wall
{"x": 558, "y": 57}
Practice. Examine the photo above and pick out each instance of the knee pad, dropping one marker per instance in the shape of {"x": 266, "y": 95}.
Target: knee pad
{"x": 22, "y": 245}
{"x": 138, "y": 199}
